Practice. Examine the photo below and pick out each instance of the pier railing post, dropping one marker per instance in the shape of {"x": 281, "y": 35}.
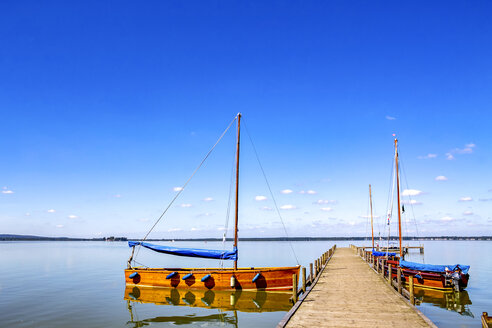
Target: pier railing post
{"x": 410, "y": 289}
{"x": 390, "y": 270}
{"x": 294, "y": 288}
{"x": 398, "y": 279}
{"x": 303, "y": 279}
{"x": 382, "y": 268}
{"x": 311, "y": 275}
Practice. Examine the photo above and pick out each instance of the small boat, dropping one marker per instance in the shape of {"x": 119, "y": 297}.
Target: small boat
{"x": 486, "y": 320}
{"x": 443, "y": 277}
{"x": 252, "y": 278}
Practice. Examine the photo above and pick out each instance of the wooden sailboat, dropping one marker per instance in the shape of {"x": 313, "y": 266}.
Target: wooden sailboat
{"x": 442, "y": 277}
{"x": 264, "y": 278}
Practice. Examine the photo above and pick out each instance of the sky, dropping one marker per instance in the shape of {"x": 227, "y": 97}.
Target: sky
{"x": 107, "y": 107}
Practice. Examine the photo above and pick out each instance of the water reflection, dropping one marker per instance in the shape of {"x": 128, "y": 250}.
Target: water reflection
{"x": 452, "y": 301}
{"x": 225, "y": 304}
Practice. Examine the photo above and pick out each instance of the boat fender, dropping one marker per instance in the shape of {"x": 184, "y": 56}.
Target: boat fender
{"x": 172, "y": 274}
{"x": 258, "y": 275}
{"x": 205, "y": 278}
{"x": 133, "y": 275}
{"x": 189, "y": 275}
{"x": 233, "y": 281}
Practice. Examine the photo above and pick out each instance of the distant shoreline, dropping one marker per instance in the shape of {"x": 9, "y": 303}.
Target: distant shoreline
{"x": 11, "y": 237}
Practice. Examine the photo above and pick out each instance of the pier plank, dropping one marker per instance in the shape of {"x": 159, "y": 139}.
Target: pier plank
{"x": 350, "y": 294}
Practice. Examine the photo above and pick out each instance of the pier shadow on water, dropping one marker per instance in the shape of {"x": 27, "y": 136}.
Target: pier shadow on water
{"x": 205, "y": 307}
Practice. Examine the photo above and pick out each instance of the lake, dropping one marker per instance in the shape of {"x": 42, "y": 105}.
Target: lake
{"x": 81, "y": 284}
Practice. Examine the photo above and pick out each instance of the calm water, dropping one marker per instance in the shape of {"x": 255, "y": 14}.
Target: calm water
{"x": 81, "y": 284}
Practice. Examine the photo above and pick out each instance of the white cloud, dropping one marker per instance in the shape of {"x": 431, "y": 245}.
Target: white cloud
{"x": 412, "y": 202}
{"x": 174, "y": 230}
{"x": 117, "y": 196}
{"x": 326, "y": 209}
{"x": 411, "y": 192}
{"x": 59, "y": 225}
{"x": 208, "y": 199}
{"x": 468, "y": 149}
{"x": 428, "y": 156}
{"x": 288, "y": 207}
{"x": 177, "y": 188}
{"x": 71, "y": 216}
{"x": 28, "y": 214}
{"x": 441, "y": 178}
{"x": 368, "y": 216}
{"x": 266, "y": 208}
{"x": 286, "y": 191}
{"x": 468, "y": 213}
{"x": 447, "y": 219}
{"x": 185, "y": 205}
{"x": 194, "y": 229}
{"x": 325, "y": 201}
{"x": 465, "y": 199}
{"x": 51, "y": 211}
{"x": 260, "y": 198}
{"x": 390, "y": 118}
{"x": 309, "y": 192}
{"x": 143, "y": 220}
{"x": 7, "y": 192}
{"x": 221, "y": 228}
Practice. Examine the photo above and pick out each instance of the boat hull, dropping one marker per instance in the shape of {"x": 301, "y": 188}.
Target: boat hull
{"x": 269, "y": 279}
{"x": 429, "y": 280}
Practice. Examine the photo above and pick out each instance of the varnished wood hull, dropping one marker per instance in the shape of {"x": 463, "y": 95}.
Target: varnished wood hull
{"x": 244, "y": 301}
{"x": 430, "y": 280}
{"x": 270, "y": 279}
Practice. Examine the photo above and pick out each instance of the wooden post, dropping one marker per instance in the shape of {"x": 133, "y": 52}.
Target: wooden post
{"x": 316, "y": 268}
{"x": 398, "y": 279}
{"x": 410, "y": 289}
{"x": 294, "y": 288}
{"x": 311, "y": 276}
{"x": 382, "y": 268}
{"x": 303, "y": 279}
{"x": 390, "y": 270}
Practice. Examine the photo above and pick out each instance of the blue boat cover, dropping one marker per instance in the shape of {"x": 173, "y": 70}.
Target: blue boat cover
{"x": 190, "y": 252}
{"x": 376, "y": 253}
{"x": 433, "y": 267}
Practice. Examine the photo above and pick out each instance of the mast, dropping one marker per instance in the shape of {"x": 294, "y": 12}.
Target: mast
{"x": 237, "y": 184}
{"x": 398, "y": 196}
{"x": 372, "y": 227}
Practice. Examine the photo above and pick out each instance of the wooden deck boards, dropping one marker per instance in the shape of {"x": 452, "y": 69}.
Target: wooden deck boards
{"x": 350, "y": 294}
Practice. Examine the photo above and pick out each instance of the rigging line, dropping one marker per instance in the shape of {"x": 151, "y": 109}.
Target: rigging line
{"x": 411, "y": 201}
{"x": 271, "y": 193}
{"x": 187, "y": 181}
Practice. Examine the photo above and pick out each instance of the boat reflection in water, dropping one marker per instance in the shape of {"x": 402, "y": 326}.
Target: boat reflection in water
{"x": 225, "y": 304}
{"x": 452, "y": 301}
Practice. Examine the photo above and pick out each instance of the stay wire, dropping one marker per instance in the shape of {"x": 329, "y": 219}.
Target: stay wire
{"x": 271, "y": 193}
{"x": 185, "y": 184}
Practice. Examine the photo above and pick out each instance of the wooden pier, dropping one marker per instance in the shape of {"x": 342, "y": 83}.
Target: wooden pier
{"x": 349, "y": 293}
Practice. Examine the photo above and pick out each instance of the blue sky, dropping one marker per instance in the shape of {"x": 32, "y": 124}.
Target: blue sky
{"x": 108, "y": 106}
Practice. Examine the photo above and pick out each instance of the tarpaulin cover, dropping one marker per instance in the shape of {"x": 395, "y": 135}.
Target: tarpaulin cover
{"x": 432, "y": 267}
{"x": 376, "y": 253}
{"x": 191, "y": 252}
